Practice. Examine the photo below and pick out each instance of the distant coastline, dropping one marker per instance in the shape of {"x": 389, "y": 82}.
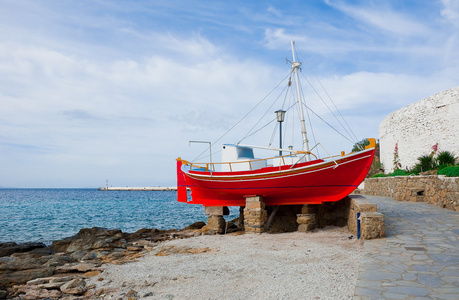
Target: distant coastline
{"x": 127, "y": 188}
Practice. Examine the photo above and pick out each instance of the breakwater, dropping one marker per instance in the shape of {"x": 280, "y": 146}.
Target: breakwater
{"x": 127, "y": 188}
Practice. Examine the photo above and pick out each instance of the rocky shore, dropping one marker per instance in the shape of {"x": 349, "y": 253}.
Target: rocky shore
{"x": 160, "y": 264}
{"x": 37, "y": 271}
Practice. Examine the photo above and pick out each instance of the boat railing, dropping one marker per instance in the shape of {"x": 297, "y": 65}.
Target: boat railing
{"x": 208, "y": 166}
{"x": 211, "y": 166}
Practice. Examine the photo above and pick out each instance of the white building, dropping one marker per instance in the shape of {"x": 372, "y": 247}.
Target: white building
{"x": 419, "y": 126}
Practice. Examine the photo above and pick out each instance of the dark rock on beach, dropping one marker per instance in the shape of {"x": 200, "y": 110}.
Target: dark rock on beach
{"x": 37, "y": 271}
{"x": 11, "y": 247}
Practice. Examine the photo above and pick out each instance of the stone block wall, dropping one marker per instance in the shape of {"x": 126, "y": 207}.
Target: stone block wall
{"x": 358, "y": 205}
{"x": 436, "y": 190}
{"x": 255, "y": 215}
{"x": 419, "y": 126}
{"x": 372, "y": 224}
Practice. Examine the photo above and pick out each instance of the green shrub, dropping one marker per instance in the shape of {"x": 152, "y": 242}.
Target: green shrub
{"x": 379, "y": 175}
{"x": 426, "y": 163}
{"x": 359, "y": 146}
{"x": 452, "y": 171}
{"x": 446, "y": 158}
{"x": 399, "y": 172}
{"x": 443, "y": 166}
{"x": 415, "y": 170}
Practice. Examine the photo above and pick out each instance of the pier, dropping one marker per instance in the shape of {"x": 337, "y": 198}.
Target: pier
{"x": 127, "y": 188}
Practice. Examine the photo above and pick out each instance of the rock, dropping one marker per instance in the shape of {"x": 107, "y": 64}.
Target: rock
{"x": 76, "y": 286}
{"x": 135, "y": 248}
{"x": 88, "y": 239}
{"x": 11, "y": 278}
{"x": 9, "y": 248}
{"x": 85, "y": 267}
{"x": 3, "y": 294}
{"x": 131, "y": 294}
{"x": 91, "y": 274}
{"x": 40, "y": 281}
{"x": 33, "y": 292}
{"x": 197, "y": 225}
{"x": 76, "y": 267}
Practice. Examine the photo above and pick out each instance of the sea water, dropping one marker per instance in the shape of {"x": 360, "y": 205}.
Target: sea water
{"x": 44, "y": 215}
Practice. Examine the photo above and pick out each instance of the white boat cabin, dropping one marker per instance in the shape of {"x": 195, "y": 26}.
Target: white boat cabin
{"x": 240, "y": 158}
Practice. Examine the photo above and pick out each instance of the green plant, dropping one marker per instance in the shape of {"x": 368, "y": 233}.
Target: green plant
{"x": 452, "y": 171}
{"x": 446, "y": 158}
{"x": 414, "y": 170}
{"x": 426, "y": 163}
{"x": 379, "y": 175}
{"x": 359, "y": 146}
{"x": 398, "y": 172}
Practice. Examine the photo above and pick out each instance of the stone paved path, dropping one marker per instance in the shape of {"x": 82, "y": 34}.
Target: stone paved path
{"x": 419, "y": 258}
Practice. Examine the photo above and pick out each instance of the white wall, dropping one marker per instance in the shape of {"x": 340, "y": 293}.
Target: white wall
{"x": 418, "y": 126}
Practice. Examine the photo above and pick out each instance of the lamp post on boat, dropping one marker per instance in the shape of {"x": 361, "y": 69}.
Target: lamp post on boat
{"x": 280, "y": 118}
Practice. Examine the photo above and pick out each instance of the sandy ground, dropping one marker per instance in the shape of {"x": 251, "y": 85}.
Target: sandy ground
{"x": 319, "y": 265}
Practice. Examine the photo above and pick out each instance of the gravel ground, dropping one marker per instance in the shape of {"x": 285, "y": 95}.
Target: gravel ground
{"x": 319, "y": 265}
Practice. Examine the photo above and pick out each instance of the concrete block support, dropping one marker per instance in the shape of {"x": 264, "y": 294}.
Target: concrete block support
{"x": 255, "y": 215}
{"x": 216, "y": 210}
{"x": 216, "y": 222}
{"x": 307, "y": 219}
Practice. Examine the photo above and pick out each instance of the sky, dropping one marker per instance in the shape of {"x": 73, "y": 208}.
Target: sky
{"x": 97, "y": 90}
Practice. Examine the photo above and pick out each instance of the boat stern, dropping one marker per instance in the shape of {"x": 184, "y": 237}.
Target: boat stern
{"x": 182, "y": 195}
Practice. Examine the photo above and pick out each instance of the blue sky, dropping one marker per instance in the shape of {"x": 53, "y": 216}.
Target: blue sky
{"x": 96, "y": 90}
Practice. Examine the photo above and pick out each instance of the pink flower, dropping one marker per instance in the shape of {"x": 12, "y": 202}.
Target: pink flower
{"x": 434, "y": 149}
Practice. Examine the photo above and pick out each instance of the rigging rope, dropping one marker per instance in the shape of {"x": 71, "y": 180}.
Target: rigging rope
{"x": 200, "y": 155}
{"x": 269, "y": 109}
{"x": 251, "y": 132}
{"x": 328, "y": 124}
{"x": 350, "y": 132}
{"x": 310, "y": 124}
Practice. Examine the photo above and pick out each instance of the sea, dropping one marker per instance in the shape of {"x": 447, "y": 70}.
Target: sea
{"x": 45, "y": 215}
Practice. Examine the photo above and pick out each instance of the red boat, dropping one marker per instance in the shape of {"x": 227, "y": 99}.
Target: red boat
{"x": 312, "y": 182}
{"x": 289, "y": 179}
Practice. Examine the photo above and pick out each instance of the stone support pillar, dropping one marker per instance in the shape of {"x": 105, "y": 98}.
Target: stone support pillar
{"x": 372, "y": 225}
{"x": 255, "y": 215}
{"x": 216, "y": 222}
{"x": 307, "y": 219}
{"x": 240, "y": 221}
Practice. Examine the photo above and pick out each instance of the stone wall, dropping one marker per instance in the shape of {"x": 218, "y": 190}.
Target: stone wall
{"x": 419, "y": 126}
{"x": 436, "y": 190}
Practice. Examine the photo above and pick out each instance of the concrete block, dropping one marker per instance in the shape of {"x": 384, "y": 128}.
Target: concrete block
{"x": 253, "y": 199}
{"x": 255, "y": 205}
{"x": 216, "y": 210}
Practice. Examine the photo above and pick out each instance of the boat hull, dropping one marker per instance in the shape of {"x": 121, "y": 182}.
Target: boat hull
{"x": 313, "y": 182}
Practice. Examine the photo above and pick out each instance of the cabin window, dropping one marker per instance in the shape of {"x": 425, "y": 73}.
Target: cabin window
{"x": 245, "y": 153}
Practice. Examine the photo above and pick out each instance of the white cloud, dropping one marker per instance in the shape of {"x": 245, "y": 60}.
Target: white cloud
{"x": 451, "y": 11}
{"x": 382, "y": 18}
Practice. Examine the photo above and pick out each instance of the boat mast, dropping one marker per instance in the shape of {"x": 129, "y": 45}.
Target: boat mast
{"x": 295, "y": 66}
